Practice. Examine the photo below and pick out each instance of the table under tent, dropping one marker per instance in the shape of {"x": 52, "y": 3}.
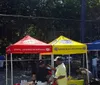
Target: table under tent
{"x": 27, "y": 45}
{"x": 66, "y": 46}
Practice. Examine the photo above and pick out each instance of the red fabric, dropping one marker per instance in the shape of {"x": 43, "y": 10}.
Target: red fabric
{"x": 54, "y": 83}
{"x": 29, "y": 45}
{"x": 50, "y": 72}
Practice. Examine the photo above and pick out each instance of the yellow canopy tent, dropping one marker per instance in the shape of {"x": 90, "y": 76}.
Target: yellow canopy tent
{"x": 63, "y": 45}
{"x": 66, "y": 46}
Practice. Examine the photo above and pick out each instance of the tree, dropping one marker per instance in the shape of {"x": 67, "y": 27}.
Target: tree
{"x": 49, "y": 16}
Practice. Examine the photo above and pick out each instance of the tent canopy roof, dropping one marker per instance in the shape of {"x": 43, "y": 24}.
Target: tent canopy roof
{"x": 94, "y": 46}
{"x": 65, "y": 41}
{"x": 63, "y": 45}
{"x": 27, "y": 40}
{"x": 29, "y": 45}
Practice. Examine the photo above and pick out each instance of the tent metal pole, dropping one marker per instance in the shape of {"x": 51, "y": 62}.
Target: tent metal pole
{"x": 69, "y": 66}
{"x": 11, "y": 70}
{"x": 87, "y": 67}
{"x": 52, "y": 62}
{"x": 40, "y": 56}
{"x": 6, "y": 71}
{"x": 83, "y": 60}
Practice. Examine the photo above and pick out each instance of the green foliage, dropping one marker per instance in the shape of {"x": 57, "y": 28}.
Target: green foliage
{"x": 31, "y": 31}
{"x": 12, "y": 29}
{"x": 93, "y": 10}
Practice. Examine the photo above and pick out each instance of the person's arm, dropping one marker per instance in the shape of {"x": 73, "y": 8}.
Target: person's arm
{"x": 52, "y": 68}
{"x": 60, "y": 77}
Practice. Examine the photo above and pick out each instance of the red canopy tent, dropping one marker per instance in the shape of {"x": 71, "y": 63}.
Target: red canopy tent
{"x": 27, "y": 45}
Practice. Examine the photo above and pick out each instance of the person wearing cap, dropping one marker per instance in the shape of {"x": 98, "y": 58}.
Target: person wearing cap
{"x": 60, "y": 71}
{"x": 60, "y": 74}
{"x": 42, "y": 74}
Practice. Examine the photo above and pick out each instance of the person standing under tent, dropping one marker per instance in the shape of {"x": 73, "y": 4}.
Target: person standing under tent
{"x": 94, "y": 66}
{"x": 60, "y": 71}
{"x": 42, "y": 74}
{"x": 34, "y": 67}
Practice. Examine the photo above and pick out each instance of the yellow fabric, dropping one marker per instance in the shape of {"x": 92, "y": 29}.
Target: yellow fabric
{"x": 61, "y": 71}
{"x": 75, "y": 82}
{"x": 63, "y": 45}
{"x": 64, "y": 49}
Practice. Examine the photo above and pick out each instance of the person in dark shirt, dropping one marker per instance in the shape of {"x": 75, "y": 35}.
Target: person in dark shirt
{"x": 34, "y": 67}
{"x": 42, "y": 74}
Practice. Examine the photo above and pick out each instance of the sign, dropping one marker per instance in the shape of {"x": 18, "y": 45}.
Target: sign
{"x": 69, "y": 49}
{"x": 66, "y": 41}
{"x": 29, "y": 41}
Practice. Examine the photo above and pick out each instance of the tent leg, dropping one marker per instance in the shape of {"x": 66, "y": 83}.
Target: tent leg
{"x": 11, "y": 70}
{"x": 6, "y": 71}
{"x": 40, "y": 56}
{"x": 87, "y": 67}
{"x": 52, "y": 62}
{"x": 69, "y": 66}
{"x": 83, "y": 61}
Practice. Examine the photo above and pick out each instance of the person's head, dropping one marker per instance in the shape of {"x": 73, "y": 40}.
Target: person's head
{"x": 33, "y": 77}
{"x": 58, "y": 60}
{"x": 41, "y": 63}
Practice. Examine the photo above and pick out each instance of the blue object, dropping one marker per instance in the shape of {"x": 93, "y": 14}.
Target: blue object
{"x": 2, "y": 57}
{"x": 94, "y": 46}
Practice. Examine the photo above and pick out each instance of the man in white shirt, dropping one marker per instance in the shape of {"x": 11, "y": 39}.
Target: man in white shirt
{"x": 94, "y": 66}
